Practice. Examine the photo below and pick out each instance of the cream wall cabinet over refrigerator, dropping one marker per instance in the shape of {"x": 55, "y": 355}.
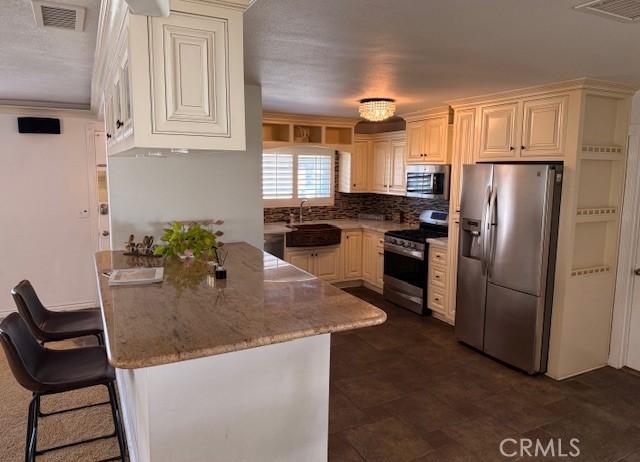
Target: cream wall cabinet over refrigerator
{"x": 533, "y": 128}
{"x": 323, "y": 262}
{"x": 179, "y": 81}
{"x": 352, "y": 254}
{"x": 354, "y": 168}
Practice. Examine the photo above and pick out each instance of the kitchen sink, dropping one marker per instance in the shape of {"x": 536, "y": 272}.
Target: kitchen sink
{"x": 313, "y": 235}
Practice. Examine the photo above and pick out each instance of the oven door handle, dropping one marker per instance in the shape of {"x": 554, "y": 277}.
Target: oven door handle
{"x": 415, "y": 254}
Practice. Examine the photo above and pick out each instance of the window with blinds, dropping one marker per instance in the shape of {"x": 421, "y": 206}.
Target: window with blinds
{"x": 290, "y": 177}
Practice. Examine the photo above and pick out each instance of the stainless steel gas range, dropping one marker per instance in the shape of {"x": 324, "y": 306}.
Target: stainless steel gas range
{"x": 406, "y": 262}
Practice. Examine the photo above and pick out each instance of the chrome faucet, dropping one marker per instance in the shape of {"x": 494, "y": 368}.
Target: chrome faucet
{"x": 301, "y": 204}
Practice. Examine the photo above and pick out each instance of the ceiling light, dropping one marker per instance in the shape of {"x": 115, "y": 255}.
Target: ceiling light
{"x": 377, "y": 109}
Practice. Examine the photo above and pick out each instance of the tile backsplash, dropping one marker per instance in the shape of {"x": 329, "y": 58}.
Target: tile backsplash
{"x": 350, "y": 205}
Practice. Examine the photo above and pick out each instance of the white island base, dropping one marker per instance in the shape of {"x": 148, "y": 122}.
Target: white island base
{"x": 263, "y": 404}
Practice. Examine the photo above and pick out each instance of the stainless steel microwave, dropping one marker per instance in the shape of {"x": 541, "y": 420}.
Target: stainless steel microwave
{"x": 429, "y": 181}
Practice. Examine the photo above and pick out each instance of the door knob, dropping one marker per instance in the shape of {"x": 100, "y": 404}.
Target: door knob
{"x": 637, "y": 272}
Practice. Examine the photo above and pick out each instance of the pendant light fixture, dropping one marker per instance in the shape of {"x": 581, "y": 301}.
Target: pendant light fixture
{"x": 377, "y": 109}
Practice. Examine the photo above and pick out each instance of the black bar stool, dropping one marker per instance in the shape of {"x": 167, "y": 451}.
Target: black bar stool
{"x": 53, "y": 326}
{"x": 45, "y": 372}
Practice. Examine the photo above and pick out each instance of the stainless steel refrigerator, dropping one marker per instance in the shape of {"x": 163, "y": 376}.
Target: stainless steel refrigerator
{"x": 506, "y": 261}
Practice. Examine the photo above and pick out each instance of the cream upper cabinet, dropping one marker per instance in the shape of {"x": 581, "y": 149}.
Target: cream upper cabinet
{"x": 428, "y": 139}
{"x": 380, "y": 161}
{"x": 354, "y": 168}
{"x": 416, "y": 134}
{"x": 436, "y": 139}
{"x": 463, "y": 152}
{"x": 396, "y": 164}
{"x": 352, "y": 254}
{"x": 189, "y": 75}
{"x": 180, "y": 80}
{"x": 543, "y": 126}
{"x": 498, "y": 131}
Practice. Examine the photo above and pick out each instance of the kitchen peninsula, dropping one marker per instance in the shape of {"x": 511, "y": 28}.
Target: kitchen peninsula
{"x": 231, "y": 370}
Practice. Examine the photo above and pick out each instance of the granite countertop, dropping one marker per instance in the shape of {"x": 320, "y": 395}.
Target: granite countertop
{"x": 191, "y": 315}
{"x": 439, "y": 241}
{"x": 344, "y": 223}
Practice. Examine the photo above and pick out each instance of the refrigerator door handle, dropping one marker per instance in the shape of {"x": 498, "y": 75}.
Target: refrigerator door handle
{"x": 486, "y": 231}
{"x": 491, "y": 224}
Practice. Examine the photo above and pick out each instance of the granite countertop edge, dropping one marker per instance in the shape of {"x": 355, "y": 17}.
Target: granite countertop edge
{"x": 244, "y": 345}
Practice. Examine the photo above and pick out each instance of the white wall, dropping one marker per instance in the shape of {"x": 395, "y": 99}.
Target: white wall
{"x": 44, "y": 184}
{"x": 635, "y": 109}
{"x": 146, "y": 193}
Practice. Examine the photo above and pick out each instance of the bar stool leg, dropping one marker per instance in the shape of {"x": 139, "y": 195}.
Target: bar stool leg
{"x": 32, "y": 429}
{"x": 115, "y": 412}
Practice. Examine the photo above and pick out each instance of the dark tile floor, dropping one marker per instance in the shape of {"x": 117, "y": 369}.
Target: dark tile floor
{"x": 407, "y": 391}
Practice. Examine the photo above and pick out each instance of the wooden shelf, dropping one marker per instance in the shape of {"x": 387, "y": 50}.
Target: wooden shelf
{"x": 591, "y": 270}
{"x": 276, "y": 132}
{"x": 307, "y": 134}
{"x": 338, "y": 135}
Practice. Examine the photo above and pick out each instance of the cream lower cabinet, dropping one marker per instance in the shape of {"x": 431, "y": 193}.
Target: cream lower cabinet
{"x": 352, "y": 255}
{"x": 373, "y": 258}
{"x": 175, "y": 82}
{"x": 323, "y": 262}
{"x": 437, "y": 280}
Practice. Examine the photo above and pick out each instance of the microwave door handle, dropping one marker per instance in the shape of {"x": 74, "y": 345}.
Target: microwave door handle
{"x": 492, "y": 223}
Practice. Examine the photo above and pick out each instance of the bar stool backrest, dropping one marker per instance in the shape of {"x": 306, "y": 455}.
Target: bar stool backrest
{"x": 23, "y": 351}
{"x": 30, "y": 307}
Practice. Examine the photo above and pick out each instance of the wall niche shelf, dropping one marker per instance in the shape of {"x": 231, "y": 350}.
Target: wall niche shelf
{"x": 276, "y": 132}
{"x": 585, "y": 215}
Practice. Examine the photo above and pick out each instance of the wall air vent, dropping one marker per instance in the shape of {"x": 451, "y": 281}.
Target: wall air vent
{"x": 620, "y": 10}
{"x": 58, "y": 15}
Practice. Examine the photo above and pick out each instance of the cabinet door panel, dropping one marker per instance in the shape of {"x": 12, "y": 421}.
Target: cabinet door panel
{"x": 301, "y": 259}
{"x": 415, "y": 141}
{"x": 352, "y": 254}
{"x": 497, "y": 131}
{"x": 543, "y": 126}
{"x": 359, "y": 174}
{"x": 379, "y": 259}
{"x": 381, "y": 152}
{"x": 326, "y": 264}
{"x": 369, "y": 250}
{"x": 190, "y": 76}
{"x": 436, "y": 139}
{"x": 463, "y": 147}
{"x": 397, "y": 174}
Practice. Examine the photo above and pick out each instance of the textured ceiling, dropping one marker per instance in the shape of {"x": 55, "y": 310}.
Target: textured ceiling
{"x": 45, "y": 64}
{"x": 321, "y": 56}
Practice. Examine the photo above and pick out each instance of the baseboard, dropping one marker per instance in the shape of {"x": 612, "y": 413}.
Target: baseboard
{"x": 348, "y": 284}
{"x": 372, "y": 287}
{"x": 4, "y": 312}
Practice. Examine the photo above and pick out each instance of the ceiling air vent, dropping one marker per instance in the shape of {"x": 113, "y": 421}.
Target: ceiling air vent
{"x": 620, "y": 10}
{"x": 59, "y": 15}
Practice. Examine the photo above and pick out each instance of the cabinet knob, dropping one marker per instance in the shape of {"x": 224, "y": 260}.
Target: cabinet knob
{"x": 108, "y": 135}
{"x": 354, "y": 185}
{"x": 511, "y": 148}
{"x": 119, "y": 123}
{"x": 523, "y": 147}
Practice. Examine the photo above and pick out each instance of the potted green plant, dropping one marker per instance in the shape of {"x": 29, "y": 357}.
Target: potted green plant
{"x": 190, "y": 240}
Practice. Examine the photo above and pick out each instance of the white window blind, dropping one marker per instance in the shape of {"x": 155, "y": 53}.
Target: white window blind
{"x": 290, "y": 176}
{"x": 314, "y": 176}
{"x": 277, "y": 176}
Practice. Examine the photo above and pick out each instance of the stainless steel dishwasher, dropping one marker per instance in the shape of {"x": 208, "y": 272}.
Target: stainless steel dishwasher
{"x": 274, "y": 244}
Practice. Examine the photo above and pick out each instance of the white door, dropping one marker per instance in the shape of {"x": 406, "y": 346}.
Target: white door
{"x": 633, "y": 355}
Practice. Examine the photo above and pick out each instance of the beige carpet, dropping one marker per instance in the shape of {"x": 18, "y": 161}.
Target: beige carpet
{"x": 54, "y": 430}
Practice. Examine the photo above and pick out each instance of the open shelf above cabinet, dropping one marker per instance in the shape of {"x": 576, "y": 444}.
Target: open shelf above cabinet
{"x": 281, "y": 130}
